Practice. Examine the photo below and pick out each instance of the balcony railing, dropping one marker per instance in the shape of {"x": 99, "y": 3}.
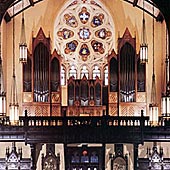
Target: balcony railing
{"x": 96, "y": 121}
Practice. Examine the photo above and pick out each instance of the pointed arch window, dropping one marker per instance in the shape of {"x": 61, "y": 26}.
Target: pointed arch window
{"x": 84, "y": 72}
{"x": 63, "y": 76}
{"x": 73, "y": 72}
{"x": 96, "y": 72}
{"x": 106, "y": 74}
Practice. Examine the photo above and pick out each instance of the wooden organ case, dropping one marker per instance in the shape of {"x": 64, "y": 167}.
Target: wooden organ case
{"x": 85, "y": 97}
{"x": 127, "y": 79}
{"x": 41, "y": 79}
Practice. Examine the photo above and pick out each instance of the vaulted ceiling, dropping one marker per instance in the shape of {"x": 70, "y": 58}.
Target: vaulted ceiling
{"x": 162, "y": 5}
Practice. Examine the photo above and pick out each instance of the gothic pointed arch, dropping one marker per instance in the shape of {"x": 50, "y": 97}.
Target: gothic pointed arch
{"x": 41, "y": 82}
{"x": 127, "y": 67}
{"x": 84, "y": 34}
{"x": 55, "y": 72}
{"x": 127, "y": 73}
{"x": 126, "y": 78}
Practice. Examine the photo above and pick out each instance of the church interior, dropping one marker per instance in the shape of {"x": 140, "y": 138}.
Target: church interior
{"x": 84, "y": 85}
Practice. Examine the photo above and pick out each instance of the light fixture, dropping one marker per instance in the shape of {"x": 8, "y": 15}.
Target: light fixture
{"x": 23, "y": 44}
{"x": 143, "y": 45}
{"x": 14, "y": 106}
{"x": 2, "y": 90}
{"x": 166, "y": 96}
{"x": 153, "y": 106}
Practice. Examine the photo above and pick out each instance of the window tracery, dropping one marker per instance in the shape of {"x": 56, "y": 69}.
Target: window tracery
{"x": 106, "y": 74}
{"x": 96, "y": 72}
{"x": 84, "y": 15}
{"x": 84, "y": 72}
{"x": 84, "y": 33}
{"x": 73, "y": 72}
{"x": 63, "y": 76}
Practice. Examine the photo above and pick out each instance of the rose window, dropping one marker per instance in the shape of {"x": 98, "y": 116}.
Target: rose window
{"x": 84, "y": 32}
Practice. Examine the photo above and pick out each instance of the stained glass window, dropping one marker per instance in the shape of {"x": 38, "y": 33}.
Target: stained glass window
{"x": 75, "y": 158}
{"x": 94, "y": 158}
{"x": 63, "y": 76}
{"x": 73, "y": 72}
{"x": 106, "y": 76}
{"x": 96, "y": 72}
{"x": 84, "y": 34}
{"x": 84, "y": 72}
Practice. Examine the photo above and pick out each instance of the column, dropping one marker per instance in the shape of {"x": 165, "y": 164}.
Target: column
{"x": 103, "y": 152}
{"x": 135, "y": 148}
{"x": 33, "y": 156}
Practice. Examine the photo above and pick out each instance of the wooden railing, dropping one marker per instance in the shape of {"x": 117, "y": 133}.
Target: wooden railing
{"x": 47, "y": 121}
{"x": 92, "y": 129}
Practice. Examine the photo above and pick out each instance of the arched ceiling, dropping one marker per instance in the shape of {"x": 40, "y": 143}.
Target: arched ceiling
{"x": 162, "y": 7}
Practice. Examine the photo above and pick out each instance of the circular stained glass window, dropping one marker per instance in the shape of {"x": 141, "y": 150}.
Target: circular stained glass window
{"x": 84, "y": 32}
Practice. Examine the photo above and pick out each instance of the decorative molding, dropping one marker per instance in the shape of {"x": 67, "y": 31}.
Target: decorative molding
{"x": 113, "y": 97}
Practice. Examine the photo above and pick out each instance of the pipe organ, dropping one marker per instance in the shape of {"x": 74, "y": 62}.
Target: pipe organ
{"x": 41, "y": 79}
{"x": 123, "y": 95}
{"x": 127, "y": 96}
{"x": 85, "y": 97}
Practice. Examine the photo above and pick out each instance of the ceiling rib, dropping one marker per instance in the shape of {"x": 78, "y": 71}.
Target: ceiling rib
{"x": 29, "y": 3}
{"x": 135, "y": 3}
